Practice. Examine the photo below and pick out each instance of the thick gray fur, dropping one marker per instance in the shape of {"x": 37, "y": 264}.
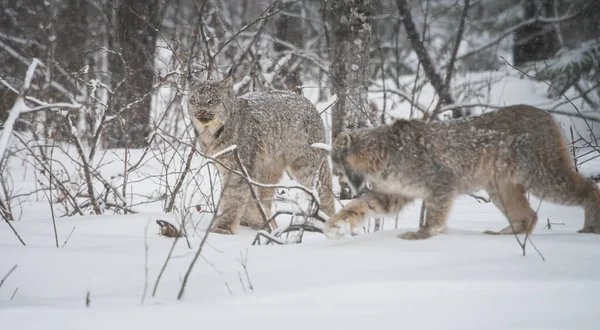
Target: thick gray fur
{"x": 273, "y": 132}
{"x": 508, "y": 152}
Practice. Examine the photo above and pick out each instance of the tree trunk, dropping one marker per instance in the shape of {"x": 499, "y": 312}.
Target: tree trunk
{"x": 289, "y": 29}
{"x": 350, "y": 22}
{"x": 137, "y": 23}
{"x": 350, "y": 32}
{"x": 537, "y": 41}
{"x": 440, "y": 86}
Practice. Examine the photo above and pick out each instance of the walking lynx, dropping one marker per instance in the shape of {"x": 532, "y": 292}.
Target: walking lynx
{"x": 273, "y": 132}
{"x": 508, "y": 152}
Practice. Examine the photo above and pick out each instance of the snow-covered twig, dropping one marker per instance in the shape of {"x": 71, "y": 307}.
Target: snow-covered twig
{"x": 321, "y": 146}
{"x": 227, "y": 150}
{"x": 19, "y": 107}
{"x": 538, "y": 19}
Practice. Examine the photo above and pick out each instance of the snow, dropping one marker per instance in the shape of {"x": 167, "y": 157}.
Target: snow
{"x": 462, "y": 280}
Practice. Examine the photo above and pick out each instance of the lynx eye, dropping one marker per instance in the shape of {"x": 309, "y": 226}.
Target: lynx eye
{"x": 212, "y": 102}
{"x": 194, "y": 102}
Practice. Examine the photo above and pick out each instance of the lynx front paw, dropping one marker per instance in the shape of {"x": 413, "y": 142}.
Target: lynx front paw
{"x": 491, "y": 232}
{"x": 415, "y": 235}
{"x": 336, "y": 228}
{"x": 222, "y": 231}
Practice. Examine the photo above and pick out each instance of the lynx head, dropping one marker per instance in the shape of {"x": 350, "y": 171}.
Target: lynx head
{"x": 344, "y": 160}
{"x": 208, "y": 102}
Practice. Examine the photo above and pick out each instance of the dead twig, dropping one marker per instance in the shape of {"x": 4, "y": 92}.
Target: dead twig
{"x": 557, "y": 90}
{"x": 145, "y": 290}
{"x": 259, "y": 205}
{"x": 480, "y": 199}
{"x": 573, "y": 149}
{"x": 523, "y": 244}
{"x": 65, "y": 243}
{"x": 196, "y": 256}
{"x": 8, "y": 274}
{"x": 50, "y": 196}
{"x": 550, "y": 224}
{"x": 243, "y": 260}
{"x": 168, "y": 230}
{"x": 14, "y": 231}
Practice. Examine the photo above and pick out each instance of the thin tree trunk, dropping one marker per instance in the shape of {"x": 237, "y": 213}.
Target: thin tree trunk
{"x": 135, "y": 40}
{"x": 415, "y": 40}
{"x": 350, "y": 31}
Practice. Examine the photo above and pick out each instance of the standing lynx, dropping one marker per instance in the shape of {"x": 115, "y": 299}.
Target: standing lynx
{"x": 273, "y": 132}
{"x": 507, "y": 152}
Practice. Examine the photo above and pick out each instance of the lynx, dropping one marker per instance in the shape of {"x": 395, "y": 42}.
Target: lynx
{"x": 273, "y": 132}
{"x": 508, "y": 152}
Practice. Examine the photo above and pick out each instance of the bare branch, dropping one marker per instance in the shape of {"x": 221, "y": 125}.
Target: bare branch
{"x": 7, "y": 275}
{"x": 421, "y": 51}
{"x": 508, "y": 32}
{"x": 14, "y": 231}
{"x": 457, "y": 40}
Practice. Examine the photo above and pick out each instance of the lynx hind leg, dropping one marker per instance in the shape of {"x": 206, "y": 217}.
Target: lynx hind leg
{"x": 511, "y": 200}
{"x": 305, "y": 168}
{"x": 353, "y": 215}
{"x": 232, "y": 204}
{"x": 560, "y": 183}
{"x": 251, "y": 216}
{"x": 436, "y": 217}
{"x": 571, "y": 188}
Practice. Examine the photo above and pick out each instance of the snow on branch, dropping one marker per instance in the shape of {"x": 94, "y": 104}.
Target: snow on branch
{"x": 19, "y": 107}
{"x": 509, "y": 31}
{"x": 321, "y": 146}
{"x": 227, "y": 150}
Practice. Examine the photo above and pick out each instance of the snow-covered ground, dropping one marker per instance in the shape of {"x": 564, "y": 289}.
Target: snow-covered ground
{"x": 462, "y": 280}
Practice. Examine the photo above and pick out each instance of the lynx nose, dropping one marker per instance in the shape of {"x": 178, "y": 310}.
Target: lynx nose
{"x": 357, "y": 181}
{"x": 204, "y": 116}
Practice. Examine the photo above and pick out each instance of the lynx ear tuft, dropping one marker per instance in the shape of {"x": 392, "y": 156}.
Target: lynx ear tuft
{"x": 321, "y": 146}
{"x": 226, "y": 83}
{"x": 343, "y": 141}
